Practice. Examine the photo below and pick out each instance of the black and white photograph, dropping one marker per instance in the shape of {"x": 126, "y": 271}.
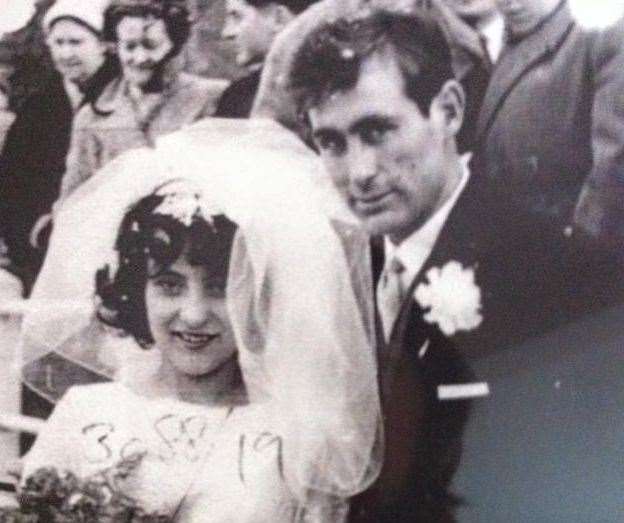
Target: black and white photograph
{"x": 311, "y": 261}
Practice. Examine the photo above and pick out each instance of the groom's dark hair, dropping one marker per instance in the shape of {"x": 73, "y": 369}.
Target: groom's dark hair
{"x": 294, "y": 6}
{"x": 330, "y": 58}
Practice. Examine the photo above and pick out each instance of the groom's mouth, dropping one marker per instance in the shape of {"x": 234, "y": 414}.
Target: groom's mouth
{"x": 195, "y": 340}
{"x": 371, "y": 203}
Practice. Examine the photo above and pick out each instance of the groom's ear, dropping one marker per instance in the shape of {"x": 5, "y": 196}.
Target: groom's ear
{"x": 449, "y": 106}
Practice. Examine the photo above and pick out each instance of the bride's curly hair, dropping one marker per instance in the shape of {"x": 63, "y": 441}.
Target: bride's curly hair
{"x": 147, "y": 244}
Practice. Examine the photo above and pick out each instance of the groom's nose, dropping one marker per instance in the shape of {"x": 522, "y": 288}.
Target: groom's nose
{"x": 361, "y": 163}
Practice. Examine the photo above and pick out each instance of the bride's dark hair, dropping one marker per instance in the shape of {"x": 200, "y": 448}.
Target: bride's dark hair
{"x": 147, "y": 244}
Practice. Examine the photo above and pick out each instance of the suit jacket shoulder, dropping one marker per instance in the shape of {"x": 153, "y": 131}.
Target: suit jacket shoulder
{"x": 532, "y": 274}
{"x": 237, "y": 100}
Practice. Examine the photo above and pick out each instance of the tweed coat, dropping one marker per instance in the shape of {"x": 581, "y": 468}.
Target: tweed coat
{"x": 551, "y": 128}
{"x": 110, "y": 126}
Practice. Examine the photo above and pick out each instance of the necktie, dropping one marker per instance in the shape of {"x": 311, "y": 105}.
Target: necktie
{"x": 487, "y": 58}
{"x": 390, "y": 294}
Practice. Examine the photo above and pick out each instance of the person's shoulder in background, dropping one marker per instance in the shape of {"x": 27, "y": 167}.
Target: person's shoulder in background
{"x": 208, "y": 89}
{"x": 238, "y": 99}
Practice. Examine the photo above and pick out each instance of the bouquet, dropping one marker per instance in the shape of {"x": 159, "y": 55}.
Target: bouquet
{"x": 50, "y": 496}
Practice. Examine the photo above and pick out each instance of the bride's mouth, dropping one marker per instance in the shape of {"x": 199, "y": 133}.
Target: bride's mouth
{"x": 196, "y": 340}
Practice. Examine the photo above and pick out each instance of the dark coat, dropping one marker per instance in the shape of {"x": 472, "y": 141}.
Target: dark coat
{"x": 551, "y": 128}
{"x": 31, "y": 167}
{"x": 533, "y": 280}
{"x": 237, "y": 100}
{"x": 32, "y": 164}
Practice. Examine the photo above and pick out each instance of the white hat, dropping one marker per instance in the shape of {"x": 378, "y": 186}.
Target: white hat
{"x": 16, "y": 15}
{"x": 90, "y": 12}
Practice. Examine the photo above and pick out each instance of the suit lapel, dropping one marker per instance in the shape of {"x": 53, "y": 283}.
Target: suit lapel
{"x": 516, "y": 62}
{"x": 461, "y": 235}
{"x": 459, "y": 240}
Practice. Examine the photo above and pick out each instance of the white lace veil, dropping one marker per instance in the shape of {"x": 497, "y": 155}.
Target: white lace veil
{"x": 299, "y": 289}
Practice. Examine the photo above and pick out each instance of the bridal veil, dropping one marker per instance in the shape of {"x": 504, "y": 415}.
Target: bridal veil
{"x": 299, "y": 289}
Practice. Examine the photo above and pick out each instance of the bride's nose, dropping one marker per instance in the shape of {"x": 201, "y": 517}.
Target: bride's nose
{"x": 196, "y": 310}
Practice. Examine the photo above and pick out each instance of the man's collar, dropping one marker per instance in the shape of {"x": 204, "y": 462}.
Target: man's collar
{"x": 74, "y": 93}
{"x": 493, "y": 29}
{"x": 414, "y": 250}
{"x": 512, "y": 38}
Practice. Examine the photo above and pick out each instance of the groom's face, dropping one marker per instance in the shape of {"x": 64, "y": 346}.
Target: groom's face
{"x": 383, "y": 154}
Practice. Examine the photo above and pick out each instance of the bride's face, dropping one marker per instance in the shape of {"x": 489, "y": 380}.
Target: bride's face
{"x": 187, "y": 315}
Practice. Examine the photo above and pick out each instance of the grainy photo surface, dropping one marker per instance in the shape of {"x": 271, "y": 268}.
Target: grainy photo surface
{"x": 295, "y": 261}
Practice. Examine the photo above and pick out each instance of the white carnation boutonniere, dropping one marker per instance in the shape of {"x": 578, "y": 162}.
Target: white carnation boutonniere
{"x": 452, "y": 297}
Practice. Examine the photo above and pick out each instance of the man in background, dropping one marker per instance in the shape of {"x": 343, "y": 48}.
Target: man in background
{"x": 551, "y": 127}
{"x": 484, "y": 17}
{"x": 253, "y": 25}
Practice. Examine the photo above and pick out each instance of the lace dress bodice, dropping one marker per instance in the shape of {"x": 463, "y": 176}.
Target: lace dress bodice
{"x": 201, "y": 464}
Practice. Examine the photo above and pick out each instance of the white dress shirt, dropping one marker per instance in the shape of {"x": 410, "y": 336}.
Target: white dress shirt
{"x": 416, "y": 248}
{"x": 492, "y": 31}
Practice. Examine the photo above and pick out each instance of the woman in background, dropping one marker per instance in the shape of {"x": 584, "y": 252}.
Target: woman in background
{"x": 151, "y": 98}
{"x": 33, "y": 158}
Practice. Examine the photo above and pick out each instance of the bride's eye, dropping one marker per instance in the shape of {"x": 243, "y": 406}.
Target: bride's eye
{"x": 169, "y": 285}
{"x": 215, "y": 290}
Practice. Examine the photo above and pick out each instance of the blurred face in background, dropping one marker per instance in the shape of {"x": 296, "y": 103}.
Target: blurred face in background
{"x": 473, "y": 10}
{"x": 77, "y": 52}
{"x": 521, "y": 16}
{"x": 251, "y": 29}
{"x": 143, "y": 47}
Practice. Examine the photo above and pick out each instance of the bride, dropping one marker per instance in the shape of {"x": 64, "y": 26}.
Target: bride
{"x": 249, "y": 392}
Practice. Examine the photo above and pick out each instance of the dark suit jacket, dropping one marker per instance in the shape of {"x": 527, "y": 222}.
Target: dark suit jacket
{"x": 237, "y": 100}
{"x": 551, "y": 128}
{"x": 533, "y": 279}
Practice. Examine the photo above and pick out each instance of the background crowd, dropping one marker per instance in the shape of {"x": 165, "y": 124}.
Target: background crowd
{"x": 543, "y": 116}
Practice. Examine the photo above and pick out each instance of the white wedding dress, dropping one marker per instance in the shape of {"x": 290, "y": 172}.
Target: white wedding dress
{"x": 200, "y": 464}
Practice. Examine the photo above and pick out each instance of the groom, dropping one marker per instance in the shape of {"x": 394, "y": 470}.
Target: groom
{"x": 464, "y": 278}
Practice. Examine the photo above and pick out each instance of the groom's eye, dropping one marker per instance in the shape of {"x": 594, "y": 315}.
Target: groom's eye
{"x": 330, "y": 142}
{"x": 374, "y": 130}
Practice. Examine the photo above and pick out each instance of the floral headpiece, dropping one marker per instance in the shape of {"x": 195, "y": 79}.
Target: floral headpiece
{"x": 184, "y": 202}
